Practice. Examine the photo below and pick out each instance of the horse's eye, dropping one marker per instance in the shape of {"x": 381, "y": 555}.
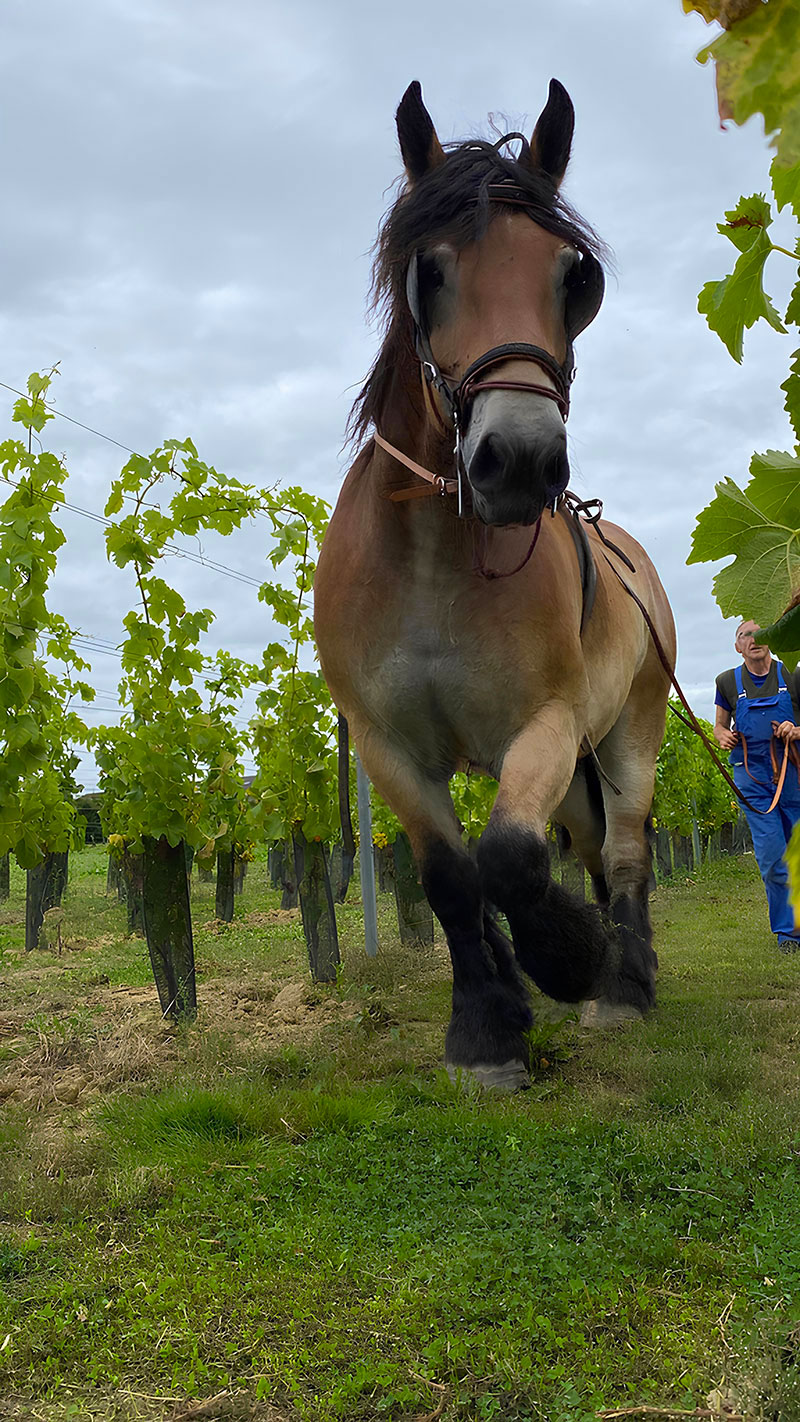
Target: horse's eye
{"x": 430, "y": 273}
{"x": 571, "y": 271}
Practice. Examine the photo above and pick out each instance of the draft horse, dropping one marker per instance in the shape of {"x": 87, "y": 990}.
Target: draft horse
{"x": 464, "y": 618}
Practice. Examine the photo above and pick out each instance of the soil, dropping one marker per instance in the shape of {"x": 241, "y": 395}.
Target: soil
{"x": 48, "y": 1068}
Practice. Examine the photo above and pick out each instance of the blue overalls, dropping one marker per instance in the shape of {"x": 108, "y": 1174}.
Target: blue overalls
{"x": 754, "y": 716}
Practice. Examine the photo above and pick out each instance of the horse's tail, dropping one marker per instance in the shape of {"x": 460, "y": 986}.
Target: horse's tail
{"x": 594, "y": 791}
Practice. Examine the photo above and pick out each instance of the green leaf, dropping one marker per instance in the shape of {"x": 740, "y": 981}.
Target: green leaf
{"x": 791, "y": 388}
{"x": 762, "y": 578}
{"x": 760, "y": 526}
{"x": 758, "y": 71}
{"x": 783, "y": 637}
{"x": 786, "y": 186}
{"x": 774, "y": 487}
{"x": 749, "y": 217}
{"x": 724, "y": 524}
{"x": 735, "y": 304}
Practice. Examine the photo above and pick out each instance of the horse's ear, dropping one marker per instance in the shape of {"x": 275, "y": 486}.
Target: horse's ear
{"x": 552, "y": 136}
{"x": 419, "y": 145}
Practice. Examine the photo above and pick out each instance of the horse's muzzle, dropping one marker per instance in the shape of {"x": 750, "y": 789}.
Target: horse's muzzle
{"x": 514, "y": 479}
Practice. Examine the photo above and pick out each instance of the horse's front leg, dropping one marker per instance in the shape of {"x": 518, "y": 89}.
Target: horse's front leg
{"x": 491, "y": 1013}
{"x": 560, "y": 942}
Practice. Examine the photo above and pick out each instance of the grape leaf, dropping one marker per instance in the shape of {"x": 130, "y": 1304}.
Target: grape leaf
{"x": 735, "y": 304}
{"x": 762, "y": 578}
{"x": 783, "y": 637}
{"x": 726, "y": 522}
{"x": 786, "y": 186}
{"x": 791, "y": 388}
{"x": 760, "y": 526}
{"x": 758, "y": 71}
{"x": 775, "y": 486}
{"x": 745, "y": 220}
{"x": 726, "y": 12}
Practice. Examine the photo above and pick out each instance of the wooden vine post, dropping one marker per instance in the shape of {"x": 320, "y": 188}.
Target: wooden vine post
{"x": 414, "y": 915}
{"x": 168, "y": 926}
{"x": 225, "y": 885}
{"x": 316, "y": 906}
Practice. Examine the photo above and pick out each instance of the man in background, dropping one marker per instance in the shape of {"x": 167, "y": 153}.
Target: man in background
{"x": 758, "y": 705}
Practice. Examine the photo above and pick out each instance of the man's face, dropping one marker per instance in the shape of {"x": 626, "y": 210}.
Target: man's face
{"x": 745, "y": 640}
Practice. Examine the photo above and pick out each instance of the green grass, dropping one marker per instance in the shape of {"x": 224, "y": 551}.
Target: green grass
{"x": 317, "y": 1220}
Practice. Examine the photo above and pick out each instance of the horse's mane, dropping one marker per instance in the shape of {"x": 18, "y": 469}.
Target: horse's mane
{"x": 450, "y": 203}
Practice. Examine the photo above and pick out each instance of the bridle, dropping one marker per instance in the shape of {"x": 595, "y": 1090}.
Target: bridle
{"x": 454, "y": 399}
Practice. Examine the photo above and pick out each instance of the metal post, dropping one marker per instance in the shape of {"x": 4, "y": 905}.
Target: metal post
{"x": 697, "y": 852}
{"x": 367, "y": 862}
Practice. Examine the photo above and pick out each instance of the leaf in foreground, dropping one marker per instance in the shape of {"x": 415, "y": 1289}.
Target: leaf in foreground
{"x": 760, "y": 527}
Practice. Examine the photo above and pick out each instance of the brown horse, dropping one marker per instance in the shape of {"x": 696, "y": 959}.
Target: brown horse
{"x": 469, "y": 628}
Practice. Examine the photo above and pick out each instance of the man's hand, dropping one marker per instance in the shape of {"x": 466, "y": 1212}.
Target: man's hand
{"x": 786, "y": 731}
{"x": 728, "y": 739}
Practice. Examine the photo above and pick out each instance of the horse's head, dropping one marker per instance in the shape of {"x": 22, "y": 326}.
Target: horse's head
{"x": 499, "y": 278}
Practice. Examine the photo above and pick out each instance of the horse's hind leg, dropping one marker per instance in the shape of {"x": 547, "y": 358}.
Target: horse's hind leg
{"x": 583, "y": 815}
{"x": 491, "y": 1012}
{"x": 628, "y": 754}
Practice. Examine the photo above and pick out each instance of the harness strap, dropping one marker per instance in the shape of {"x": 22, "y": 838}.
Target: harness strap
{"x": 591, "y": 510}
{"x": 586, "y": 564}
{"x": 436, "y": 484}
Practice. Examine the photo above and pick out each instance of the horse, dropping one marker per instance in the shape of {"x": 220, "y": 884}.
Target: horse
{"x": 466, "y": 619}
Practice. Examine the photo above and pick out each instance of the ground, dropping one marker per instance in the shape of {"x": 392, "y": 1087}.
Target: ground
{"x": 287, "y": 1212}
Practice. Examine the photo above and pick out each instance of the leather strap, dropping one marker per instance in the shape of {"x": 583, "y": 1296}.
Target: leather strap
{"x": 528, "y": 386}
{"x": 435, "y": 484}
{"x": 561, "y": 375}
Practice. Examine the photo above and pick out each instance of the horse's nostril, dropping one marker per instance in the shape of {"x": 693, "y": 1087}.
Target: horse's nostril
{"x": 492, "y": 459}
{"x": 554, "y": 471}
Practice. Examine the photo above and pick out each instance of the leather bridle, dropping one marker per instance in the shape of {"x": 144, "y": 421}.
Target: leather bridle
{"x": 455, "y": 398}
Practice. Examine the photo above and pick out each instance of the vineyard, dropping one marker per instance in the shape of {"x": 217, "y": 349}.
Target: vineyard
{"x": 235, "y": 1180}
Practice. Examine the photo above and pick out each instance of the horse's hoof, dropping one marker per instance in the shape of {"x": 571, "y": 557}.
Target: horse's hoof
{"x": 600, "y": 1013}
{"x": 511, "y": 1076}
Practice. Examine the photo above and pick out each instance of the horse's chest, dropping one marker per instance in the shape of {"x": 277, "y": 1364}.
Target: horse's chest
{"x": 440, "y": 695}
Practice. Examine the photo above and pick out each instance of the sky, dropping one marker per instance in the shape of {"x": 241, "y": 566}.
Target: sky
{"x": 192, "y": 192}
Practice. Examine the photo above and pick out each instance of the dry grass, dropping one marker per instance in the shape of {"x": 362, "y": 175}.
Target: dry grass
{"x": 228, "y": 1406}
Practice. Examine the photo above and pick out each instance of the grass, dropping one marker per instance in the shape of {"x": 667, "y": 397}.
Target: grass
{"x": 289, "y": 1208}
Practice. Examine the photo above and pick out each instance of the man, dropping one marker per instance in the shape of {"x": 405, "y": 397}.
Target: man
{"x": 764, "y": 701}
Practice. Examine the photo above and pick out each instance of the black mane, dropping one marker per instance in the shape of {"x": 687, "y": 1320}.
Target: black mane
{"x": 450, "y": 203}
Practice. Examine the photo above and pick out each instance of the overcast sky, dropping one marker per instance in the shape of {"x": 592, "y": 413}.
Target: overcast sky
{"x": 191, "y": 194}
